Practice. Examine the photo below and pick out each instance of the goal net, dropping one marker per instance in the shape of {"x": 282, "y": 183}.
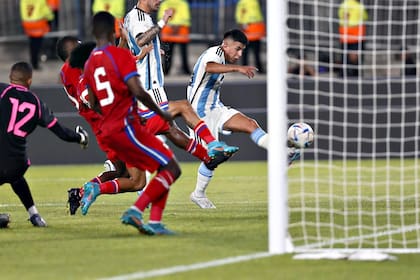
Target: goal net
{"x": 357, "y": 187}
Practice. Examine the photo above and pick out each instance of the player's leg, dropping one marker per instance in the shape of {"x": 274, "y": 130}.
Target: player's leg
{"x": 215, "y": 120}
{"x": 192, "y": 146}
{"x": 184, "y": 109}
{"x": 135, "y": 182}
{"x": 13, "y": 174}
{"x": 239, "y": 122}
{"x": 139, "y": 148}
{"x": 21, "y": 189}
{"x": 75, "y": 195}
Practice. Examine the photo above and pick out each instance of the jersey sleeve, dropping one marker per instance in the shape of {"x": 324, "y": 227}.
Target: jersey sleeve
{"x": 211, "y": 56}
{"x": 127, "y": 65}
{"x": 138, "y": 24}
{"x": 46, "y": 118}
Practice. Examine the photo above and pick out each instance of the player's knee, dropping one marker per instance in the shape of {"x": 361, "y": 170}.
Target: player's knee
{"x": 174, "y": 168}
{"x": 252, "y": 125}
{"x": 139, "y": 183}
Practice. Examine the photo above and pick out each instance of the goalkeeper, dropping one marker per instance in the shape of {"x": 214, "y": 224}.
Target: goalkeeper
{"x": 21, "y": 111}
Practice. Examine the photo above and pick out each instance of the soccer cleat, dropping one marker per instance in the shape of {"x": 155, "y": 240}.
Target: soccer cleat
{"x": 160, "y": 229}
{"x": 217, "y": 160}
{"x": 202, "y": 202}
{"x": 38, "y": 221}
{"x": 109, "y": 166}
{"x": 135, "y": 218}
{"x": 73, "y": 201}
{"x": 217, "y": 147}
{"x": 292, "y": 155}
{"x": 91, "y": 191}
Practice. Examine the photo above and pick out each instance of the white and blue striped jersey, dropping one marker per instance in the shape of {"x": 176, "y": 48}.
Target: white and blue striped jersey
{"x": 203, "y": 91}
{"x": 150, "y": 67}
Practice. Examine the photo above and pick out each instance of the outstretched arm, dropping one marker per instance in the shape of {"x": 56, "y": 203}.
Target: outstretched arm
{"x": 78, "y": 136}
{"x": 213, "y": 67}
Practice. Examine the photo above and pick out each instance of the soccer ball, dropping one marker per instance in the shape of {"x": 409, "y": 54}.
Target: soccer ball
{"x": 300, "y": 135}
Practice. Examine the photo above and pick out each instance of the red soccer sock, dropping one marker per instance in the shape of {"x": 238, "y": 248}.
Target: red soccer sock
{"x": 157, "y": 187}
{"x": 110, "y": 187}
{"x": 202, "y": 131}
{"x": 197, "y": 150}
{"x": 96, "y": 180}
{"x": 156, "y": 211}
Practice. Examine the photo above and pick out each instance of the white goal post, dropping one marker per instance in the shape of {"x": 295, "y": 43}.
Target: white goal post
{"x": 357, "y": 187}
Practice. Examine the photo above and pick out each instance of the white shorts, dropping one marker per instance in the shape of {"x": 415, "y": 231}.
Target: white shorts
{"x": 215, "y": 119}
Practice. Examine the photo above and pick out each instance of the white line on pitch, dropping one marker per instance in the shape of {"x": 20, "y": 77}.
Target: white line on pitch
{"x": 184, "y": 268}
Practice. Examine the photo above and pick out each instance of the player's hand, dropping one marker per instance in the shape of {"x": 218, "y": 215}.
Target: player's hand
{"x": 248, "y": 71}
{"x": 144, "y": 51}
{"x": 167, "y": 14}
{"x": 84, "y": 137}
{"x": 123, "y": 31}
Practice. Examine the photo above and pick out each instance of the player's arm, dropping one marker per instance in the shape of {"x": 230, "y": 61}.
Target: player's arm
{"x": 213, "y": 67}
{"x": 146, "y": 37}
{"x": 123, "y": 43}
{"x": 48, "y": 120}
{"x": 93, "y": 101}
{"x": 78, "y": 136}
{"x": 137, "y": 90}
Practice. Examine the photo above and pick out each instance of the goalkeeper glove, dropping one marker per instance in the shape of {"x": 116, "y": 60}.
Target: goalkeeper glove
{"x": 84, "y": 137}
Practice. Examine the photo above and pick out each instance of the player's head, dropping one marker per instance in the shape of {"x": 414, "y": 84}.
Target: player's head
{"x": 65, "y": 45}
{"x": 234, "y": 42}
{"x": 80, "y": 54}
{"x": 149, "y": 6}
{"x": 103, "y": 26}
{"x": 21, "y": 74}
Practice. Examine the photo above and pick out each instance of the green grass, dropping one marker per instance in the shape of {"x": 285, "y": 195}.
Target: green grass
{"x": 98, "y": 245}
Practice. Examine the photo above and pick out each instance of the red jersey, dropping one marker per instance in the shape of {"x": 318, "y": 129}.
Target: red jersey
{"x": 91, "y": 117}
{"x": 70, "y": 78}
{"x": 106, "y": 71}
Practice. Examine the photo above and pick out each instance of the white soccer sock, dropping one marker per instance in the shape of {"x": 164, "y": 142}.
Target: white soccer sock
{"x": 260, "y": 137}
{"x": 32, "y": 210}
{"x": 204, "y": 176}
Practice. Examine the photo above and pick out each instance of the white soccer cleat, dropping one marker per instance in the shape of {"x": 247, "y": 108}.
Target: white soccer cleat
{"x": 202, "y": 202}
{"x": 109, "y": 166}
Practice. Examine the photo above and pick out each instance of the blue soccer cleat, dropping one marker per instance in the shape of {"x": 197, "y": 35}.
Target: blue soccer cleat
{"x": 216, "y": 148}
{"x": 91, "y": 192}
{"x": 134, "y": 218}
{"x": 160, "y": 229}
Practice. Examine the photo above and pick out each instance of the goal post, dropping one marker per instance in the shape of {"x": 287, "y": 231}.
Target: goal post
{"x": 357, "y": 187}
{"x": 277, "y": 125}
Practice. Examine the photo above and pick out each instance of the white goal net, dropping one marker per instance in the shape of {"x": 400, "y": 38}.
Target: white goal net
{"x": 357, "y": 187}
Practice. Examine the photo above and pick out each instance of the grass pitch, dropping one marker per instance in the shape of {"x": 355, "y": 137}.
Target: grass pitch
{"x": 99, "y": 246}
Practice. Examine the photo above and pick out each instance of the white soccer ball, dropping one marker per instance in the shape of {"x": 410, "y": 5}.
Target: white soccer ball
{"x": 300, "y": 135}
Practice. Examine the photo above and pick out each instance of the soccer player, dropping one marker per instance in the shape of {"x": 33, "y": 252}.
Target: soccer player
{"x": 131, "y": 179}
{"x": 113, "y": 84}
{"x": 106, "y": 183}
{"x": 204, "y": 94}
{"x": 142, "y": 32}
{"x": 21, "y": 111}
